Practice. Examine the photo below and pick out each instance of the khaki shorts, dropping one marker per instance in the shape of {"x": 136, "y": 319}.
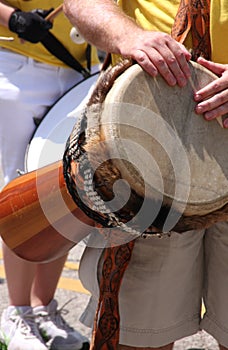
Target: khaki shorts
{"x": 162, "y": 290}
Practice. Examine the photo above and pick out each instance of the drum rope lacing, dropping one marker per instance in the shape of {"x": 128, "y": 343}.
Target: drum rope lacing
{"x": 116, "y": 258}
{"x": 95, "y": 206}
{"x": 97, "y": 203}
{"x": 117, "y": 255}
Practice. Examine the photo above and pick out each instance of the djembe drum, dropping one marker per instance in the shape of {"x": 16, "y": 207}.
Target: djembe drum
{"x": 139, "y": 161}
{"x": 169, "y": 162}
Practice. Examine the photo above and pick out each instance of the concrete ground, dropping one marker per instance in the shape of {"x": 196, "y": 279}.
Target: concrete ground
{"x": 70, "y": 290}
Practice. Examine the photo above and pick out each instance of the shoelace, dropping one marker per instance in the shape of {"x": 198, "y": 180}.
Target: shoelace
{"x": 25, "y": 323}
{"x": 57, "y": 318}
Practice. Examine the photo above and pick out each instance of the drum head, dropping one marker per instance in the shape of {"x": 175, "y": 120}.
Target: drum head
{"x": 48, "y": 142}
{"x": 161, "y": 146}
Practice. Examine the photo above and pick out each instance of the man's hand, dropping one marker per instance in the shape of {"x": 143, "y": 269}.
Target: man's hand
{"x": 30, "y": 26}
{"x": 212, "y": 100}
{"x": 157, "y": 53}
{"x": 105, "y": 25}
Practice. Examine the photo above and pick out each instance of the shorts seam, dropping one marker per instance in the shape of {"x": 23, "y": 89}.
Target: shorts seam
{"x": 147, "y": 331}
{"x": 218, "y": 324}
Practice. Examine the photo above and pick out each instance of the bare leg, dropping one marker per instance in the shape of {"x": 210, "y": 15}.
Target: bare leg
{"x": 45, "y": 281}
{"x": 19, "y": 277}
{"x": 29, "y": 283}
{"x": 166, "y": 347}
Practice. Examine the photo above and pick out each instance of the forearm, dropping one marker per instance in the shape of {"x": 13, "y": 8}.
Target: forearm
{"x": 101, "y": 23}
{"x": 5, "y": 13}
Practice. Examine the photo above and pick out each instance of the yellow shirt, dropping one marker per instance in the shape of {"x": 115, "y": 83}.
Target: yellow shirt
{"x": 61, "y": 29}
{"x": 159, "y": 15}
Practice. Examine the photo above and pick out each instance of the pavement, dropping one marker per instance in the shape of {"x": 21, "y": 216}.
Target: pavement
{"x": 71, "y": 291}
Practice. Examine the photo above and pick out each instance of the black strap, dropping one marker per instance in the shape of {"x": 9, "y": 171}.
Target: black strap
{"x": 55, "y": 47}
{"x": 88, "y": 57}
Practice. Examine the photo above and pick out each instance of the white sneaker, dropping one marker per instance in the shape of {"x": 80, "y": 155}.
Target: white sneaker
{"x": 19, "y": 329}
{"x": 55, "y": 331}
{"x": 3, "y": 346}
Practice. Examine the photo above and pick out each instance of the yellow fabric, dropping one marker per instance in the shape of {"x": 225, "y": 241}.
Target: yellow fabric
{"x": 151, "y": 15}
{"x": 159, "y": 15}
{"x": 219, "y": 30}
{"x": 61, "y": 29}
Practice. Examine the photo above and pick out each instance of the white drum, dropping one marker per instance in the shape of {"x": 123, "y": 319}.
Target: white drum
{"x": 48, "y": 142}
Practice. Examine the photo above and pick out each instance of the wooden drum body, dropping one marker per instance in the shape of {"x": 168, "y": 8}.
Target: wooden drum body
{"x": 39, "y": 221}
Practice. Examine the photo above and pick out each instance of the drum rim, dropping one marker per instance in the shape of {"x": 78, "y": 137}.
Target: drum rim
{"x": 96, "y": 73}
{"x": 135, "y": 70}
{"x": 65, "y": 93}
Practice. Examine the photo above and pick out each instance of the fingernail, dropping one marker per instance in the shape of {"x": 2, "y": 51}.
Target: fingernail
{"x": 225, "y": 123}
{"x": 197, "y": 97}
{"x": 172, "y": 81}
{"x": 199, "y": 109}
{"x": 208, "y": 116}
{"x": 182, "y": 82}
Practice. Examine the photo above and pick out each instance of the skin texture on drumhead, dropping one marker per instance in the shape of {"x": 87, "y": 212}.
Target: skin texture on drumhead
{"x": 156, "y": 138}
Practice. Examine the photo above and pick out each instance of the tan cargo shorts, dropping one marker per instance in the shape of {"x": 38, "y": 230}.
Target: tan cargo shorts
{"x": 164, "y": 285}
